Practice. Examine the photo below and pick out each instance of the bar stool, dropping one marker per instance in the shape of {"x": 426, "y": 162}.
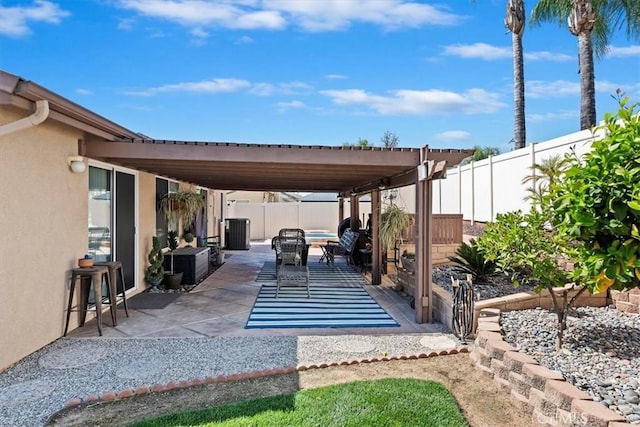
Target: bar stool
{"x": 89, "y": 276}
{"x": 115, "y": 269}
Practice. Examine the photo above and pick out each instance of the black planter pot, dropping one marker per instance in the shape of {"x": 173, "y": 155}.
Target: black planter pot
{"x": 173, "y": 281}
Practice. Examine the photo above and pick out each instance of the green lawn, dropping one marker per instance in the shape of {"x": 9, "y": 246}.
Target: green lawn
{"x": 381, "y": 403}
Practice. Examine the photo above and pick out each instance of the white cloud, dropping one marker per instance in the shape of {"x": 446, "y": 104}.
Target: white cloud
{"x": 294, "y": 88}
{"x": 198, "y": 32}
{"x": 334, "y": 15}
{"x": 622, "y": 52}
{"x": 285, "y": 106}
{"x": 551, "y": 89}
{"x": 126, "y": 24}
{"x": 312, "y": 16}
{"x": 335, "y": 77}
{"x": 207, "y": 86}
{"x": 82, "y": 91}
{"x": 415, "y": 102}
{"x": 489, "y": 52}
{"x": 453, "y": 135}
{"x": 548, "y": 56}
{"x": 228, "y": 85}
{"x": 14, "y": 21}
{"x": 541, "y": 89}
{"x": 478, "y": 50}
{"x": 551, "y": 116}
{"x": 199, "y": 12}
{"x": 262, "y": 89}
{"x": 244, "y": 40}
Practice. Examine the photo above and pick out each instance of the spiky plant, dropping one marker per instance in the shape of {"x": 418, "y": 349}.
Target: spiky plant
{"x": 470, "y": 260}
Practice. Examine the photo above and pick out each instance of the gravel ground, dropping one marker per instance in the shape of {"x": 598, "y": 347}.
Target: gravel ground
{"x": 600, "y": 355}
{"x": 39, "y": 385}
{"x": 601, "y": 352}
{"x": 496, "y": 286}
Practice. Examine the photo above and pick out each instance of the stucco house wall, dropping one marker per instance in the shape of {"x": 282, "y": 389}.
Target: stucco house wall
{"x": 43, "y": 224}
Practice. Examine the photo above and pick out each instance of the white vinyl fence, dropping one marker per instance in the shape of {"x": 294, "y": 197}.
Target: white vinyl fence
{"x": 482, "y": 189}
{"x": 478, "y": 191}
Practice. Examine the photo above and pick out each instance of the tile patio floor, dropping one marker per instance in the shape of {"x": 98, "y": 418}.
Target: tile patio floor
{"x": 220, "y": 306}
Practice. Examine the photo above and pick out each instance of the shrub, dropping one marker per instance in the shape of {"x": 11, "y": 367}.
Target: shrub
{"x": 523, "y": 246}
{"x": 154, "y": 272}
{"x": 470, "y": 260}
{"x": 596, "y": 204}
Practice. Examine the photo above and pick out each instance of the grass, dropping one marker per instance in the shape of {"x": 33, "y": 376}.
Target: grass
{"x": 387, "y": 402}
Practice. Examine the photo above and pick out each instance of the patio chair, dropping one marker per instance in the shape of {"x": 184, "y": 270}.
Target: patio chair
{"x": 290, "y": 267}
{"x": 291, "y": 233}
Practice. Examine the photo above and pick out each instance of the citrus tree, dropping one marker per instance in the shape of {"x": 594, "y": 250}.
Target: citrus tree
{"x": 596, "y": 204}
{"x": 525, "y": 247}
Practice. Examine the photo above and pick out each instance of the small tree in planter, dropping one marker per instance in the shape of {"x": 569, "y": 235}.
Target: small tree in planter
{"x": 154, "y": 273}
{"x": 522, "y": 246}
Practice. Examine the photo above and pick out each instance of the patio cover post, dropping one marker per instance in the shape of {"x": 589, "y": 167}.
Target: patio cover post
{"x": 423, "y": 299}
{"x": 340, "y": 208}
{"x": 376, "y": 277}
{"x": 355, "y": 212}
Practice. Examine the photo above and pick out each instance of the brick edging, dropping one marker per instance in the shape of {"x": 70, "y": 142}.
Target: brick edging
{"x": 112, "y": 396}
{"x": 535, "y": 389}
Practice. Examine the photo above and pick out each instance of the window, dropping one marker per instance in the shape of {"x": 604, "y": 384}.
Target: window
{"x": 163, "y": 186}
{"x": 100, "y": 217}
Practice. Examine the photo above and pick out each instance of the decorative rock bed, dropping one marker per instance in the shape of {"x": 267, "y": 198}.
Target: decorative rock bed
{"x": 538, "y": 390}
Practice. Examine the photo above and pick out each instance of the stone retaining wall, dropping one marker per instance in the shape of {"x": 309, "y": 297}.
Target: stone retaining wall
{"x": 627, "y": 301}
{"x": 536, "y": 390}
{"x": 442, "y": 303}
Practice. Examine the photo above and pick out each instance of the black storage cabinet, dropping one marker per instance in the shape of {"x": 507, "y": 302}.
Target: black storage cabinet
{"x": 192, "y": 262}
{"x": 238, "y": 233}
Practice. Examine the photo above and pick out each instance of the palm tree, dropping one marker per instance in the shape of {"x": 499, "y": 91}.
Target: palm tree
{"x": 543, "y": 176}
{"x": 593, "y": 22}
{"x": 514, "y": 21}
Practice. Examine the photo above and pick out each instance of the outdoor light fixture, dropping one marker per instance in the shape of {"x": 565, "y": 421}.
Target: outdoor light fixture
{"x": 422, "y": 172}
{"x": 76, "y": 164}
{"x": 384, "y": 183}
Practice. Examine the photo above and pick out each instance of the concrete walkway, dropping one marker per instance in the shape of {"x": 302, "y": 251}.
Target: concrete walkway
{"x": 187, "y": 336}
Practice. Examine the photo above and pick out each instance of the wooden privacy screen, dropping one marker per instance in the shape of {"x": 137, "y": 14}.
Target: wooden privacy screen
{"x": 446, "y": 229}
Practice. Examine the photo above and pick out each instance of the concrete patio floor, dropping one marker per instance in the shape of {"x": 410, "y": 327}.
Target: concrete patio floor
{"x": 220, "y": 305}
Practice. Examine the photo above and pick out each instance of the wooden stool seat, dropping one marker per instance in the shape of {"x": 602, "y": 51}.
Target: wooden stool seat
{"x": 115, "y": 270}
{"x": 89, "y": 276}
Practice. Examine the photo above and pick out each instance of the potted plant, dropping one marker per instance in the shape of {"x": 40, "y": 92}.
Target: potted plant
{"x": 172, "y": 280}
{"x": 182, "y": 207}
{"x": 154, "y": 273}
{"x": 408, "y": 261}
{"x": 394, "y": 220}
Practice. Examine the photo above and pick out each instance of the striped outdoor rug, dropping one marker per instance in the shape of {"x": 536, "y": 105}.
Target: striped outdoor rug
{"x": 328, "y": 307}
{"x": 319, "y": 272}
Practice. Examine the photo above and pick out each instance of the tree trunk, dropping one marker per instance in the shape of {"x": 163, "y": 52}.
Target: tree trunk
{"x": 587, "y": 81}
{"x": 520, "y": 133}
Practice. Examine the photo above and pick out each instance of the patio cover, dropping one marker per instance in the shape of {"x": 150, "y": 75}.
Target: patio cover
{"x": 348, "y": 171}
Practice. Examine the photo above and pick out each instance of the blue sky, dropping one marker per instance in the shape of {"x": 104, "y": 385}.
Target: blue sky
{"x": 308, "y": 72}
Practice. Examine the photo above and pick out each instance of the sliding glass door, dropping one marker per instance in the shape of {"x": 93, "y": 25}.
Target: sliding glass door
{"x": 112, "y": 219}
